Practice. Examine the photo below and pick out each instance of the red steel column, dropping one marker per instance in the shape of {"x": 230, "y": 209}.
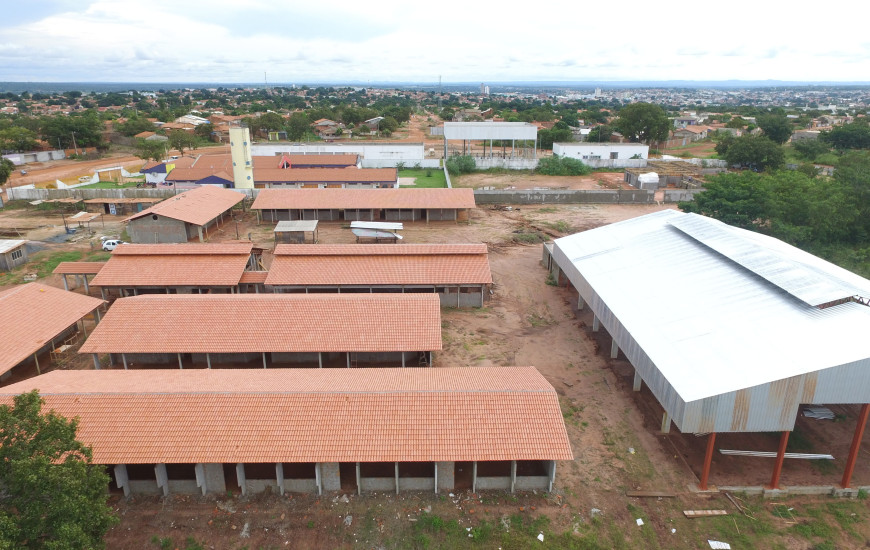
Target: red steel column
{"x": 856, "y": 444}
{"x": 708, "y": 458}
{"x": 780, "y": 456}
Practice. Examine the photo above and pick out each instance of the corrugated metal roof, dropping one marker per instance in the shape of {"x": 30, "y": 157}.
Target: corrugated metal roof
{"x": 308, "y": 415}
{"x": 490, "y": 130}
{"x": 9, "y": 244}
{"x": 296, "y": 225}
{"x": 722, "y": 348}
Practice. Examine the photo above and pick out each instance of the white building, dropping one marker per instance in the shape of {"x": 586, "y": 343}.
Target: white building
{"x": 601, "y": 151}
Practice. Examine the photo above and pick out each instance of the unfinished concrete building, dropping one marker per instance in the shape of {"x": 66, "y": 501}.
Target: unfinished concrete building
{"x": 12, "y": 253}
{"x": 189, "y": 268}
{"x": 261, "y": 331}
{"x": 36, "y": 319}
{"x": 314, "y": 431}
{"x": 458, "y": 273}
{"x": 364, "y": 204}
{"x": 739, "y": 346}
{"x": 184, "y": 217}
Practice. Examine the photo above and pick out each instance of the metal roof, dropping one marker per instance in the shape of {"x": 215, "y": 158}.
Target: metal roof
{"x": 8, "y": 244}
{"x": 490, "y": 130}
{"x": 375, "y": 234}
{"x": 722, "y": 347}
{"x": 387, "y": 226}
{"x": 296, "y": 225}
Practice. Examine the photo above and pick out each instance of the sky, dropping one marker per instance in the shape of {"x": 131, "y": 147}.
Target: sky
{"x": 415, "y": 41}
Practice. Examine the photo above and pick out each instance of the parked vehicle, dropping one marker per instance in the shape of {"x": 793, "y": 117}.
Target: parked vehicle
{"x": 111, "y": 244}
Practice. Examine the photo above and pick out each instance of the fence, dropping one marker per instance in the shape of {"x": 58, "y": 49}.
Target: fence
{"x": 484, "y": 163}
{"x": 573, "y": 196}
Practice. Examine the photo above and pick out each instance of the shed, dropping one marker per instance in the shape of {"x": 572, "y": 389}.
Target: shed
{"x": 183, "y": 217}
{"x": 12, "y": 253}
{"x": 213, "y": 431}
{"x": 290, "y": 232}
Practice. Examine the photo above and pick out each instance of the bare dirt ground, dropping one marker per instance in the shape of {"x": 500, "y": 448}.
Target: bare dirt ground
{"x": 596, "y": 180}
{"x": 614, "y": 433}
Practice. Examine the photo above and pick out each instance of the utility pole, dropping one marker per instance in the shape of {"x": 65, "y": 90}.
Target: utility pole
{"x": 74, "y": 143}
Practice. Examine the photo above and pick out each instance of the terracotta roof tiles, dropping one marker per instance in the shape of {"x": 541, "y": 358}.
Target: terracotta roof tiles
{"x": 79, "y": 268}
{"x": 309, "y": 415}
{"x": 272, "y": 323}
{"x": 326, "y": 175}
{"x": 350, "y": 199}
{"x": 197, "y": 206}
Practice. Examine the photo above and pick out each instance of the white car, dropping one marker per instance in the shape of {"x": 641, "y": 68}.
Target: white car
{"x": 111, "y": 244}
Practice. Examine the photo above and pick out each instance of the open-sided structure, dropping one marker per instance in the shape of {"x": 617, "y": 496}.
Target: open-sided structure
{"x": 458, "y": 273}
{"x": 364, "y": 204}
{"x": 79, "y": 271}
{"x": 735, "y": 346}
{"x": 302, "y": 430}
{"x": 490, "y": 132}
{"x": 183, "y": 217}
{"x": 34, "y": 318}
{"x": 258, "y": 331}
{"x": 175, "y": 269}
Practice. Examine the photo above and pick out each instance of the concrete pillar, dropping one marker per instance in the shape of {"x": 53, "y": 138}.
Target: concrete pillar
{"x": 279, "y": 476}
{"x": 446, "y": 475}
{"x": 348, "y": 359}
{"x": 135, "y": 291}
{"x": 87, "y": 286}
{"x": 614, "y": 349}
{"x": 124, "y": 359}
{"x": 397, "y": 477}
{"x": 97, "y": 317}
{"x": 637, "y": 380}
{"x": 84, "y": 330}
{"x": 200, "y": 478}
{"x": 121, "y": 479}
{"x": 65, "y": 283}
{"x": 596, "y": 324}
{"x": 580, "y": 303}
{"x": 403, "y": 359}
{"x": 180, "y": 366}
{"x": 240, "y": 476}
{"x": 162, "y": 478}
{"x": 666, "y": 423}
{"x": 264, "y": 359}
{"x": 552, "y": 476}
{"x": 318, "y": 479}
{"x": 103, "y": 293}
{"x": 474, "y": 477}
{"x": 330, "y": 476}
{"x": 199, "y": 230}
{"x": 96, "y": 361}
{"x": 320, "y": 359}
{"x": 208, "y": 359}
{"x": 513, "y": 475}
{"x": 36, "y": 359}
{"x": 436, "y": 477}
{"x": 358, "y": 480}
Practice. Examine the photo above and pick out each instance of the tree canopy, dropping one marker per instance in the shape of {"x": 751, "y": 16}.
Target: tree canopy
{"x": 6, "y": 169}
{"x": 17, "y": 139}
{"x": 181, "y": 140}
{"x": 777, "y": 128}
{"x": 643, "y": 122}
{"x": 53, "y": 496}
{"x": 855, "y": 135}
{"x": 754, "y": 152}
{"x": 150, "y": 150}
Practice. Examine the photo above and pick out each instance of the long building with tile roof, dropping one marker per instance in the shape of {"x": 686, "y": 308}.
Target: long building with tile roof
{"x": 314, "y": 430}
{"x": 183, "y": 217}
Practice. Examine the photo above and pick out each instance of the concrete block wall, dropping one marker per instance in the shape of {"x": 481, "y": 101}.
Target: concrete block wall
{"x": 214, "y": 478}
{"x": 501, "y": 482}
{"x": 417, "y": 484}
{"x": 330, "y": 476}
{"x": 446, "y": 476}
{"x": 253, "y": 486}
{"x": 162, "y": 230}
{"x": 183, "y": 486}
{"x": 300, "y": 485}
{"x": 527, "y": 483}
{"x": 146, "y": 487}
{"x": 378, "y": 484}
{"x": 551, "y": 196}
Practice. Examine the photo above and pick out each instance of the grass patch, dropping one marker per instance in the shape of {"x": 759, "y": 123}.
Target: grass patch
{"x": 528, "y": 237}
{"x": 425, "y": 177}
{"x": 559, "y": 225}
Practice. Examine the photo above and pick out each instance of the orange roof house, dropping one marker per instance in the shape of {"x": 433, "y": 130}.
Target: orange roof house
{"x": 329, "y": 328}
{"x": 426, "y": 425}
{"x": 184, "y": 216}
{"x": 364, "y": 204}
{"x": 165, "y": 266}
{"x": 33, "y": 315}
{"x": 459, "y": 273}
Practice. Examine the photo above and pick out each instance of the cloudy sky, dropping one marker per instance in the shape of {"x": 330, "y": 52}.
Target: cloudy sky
{"x": 355, "y": 40}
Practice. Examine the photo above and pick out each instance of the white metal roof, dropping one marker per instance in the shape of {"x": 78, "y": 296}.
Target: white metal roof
{"x": 8, "y": 244}
{"x": 386, "y": 226}
{"x": 490, "y": 130}
{"x": 722, "y": 347}
{"x": 295, "y": 225}
{"x": 374, "y": 234}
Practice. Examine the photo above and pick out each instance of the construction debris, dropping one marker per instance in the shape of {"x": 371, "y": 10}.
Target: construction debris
{"x": 819, "y": 413}
{"x": 772, "y": 454}
{"x": 717, "y": 545}
{"x": 704, "y": 513}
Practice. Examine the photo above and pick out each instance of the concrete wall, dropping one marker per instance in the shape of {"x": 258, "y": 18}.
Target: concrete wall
{"x": 6, "y": 261}
{"x": 615, "y": 163}
{"x": 548, "y": 196}
{"x": 461, "y": 299}
{"x": 527, "y": 483}
{"x": 330, "y": 476}
{"x": 491, "y": 483}
{"x": 391, "y": 163}
{"x": 300, "y": 485}
{"x": 624, "y": 151}
{"x": 214, "y": 479}
{"x": 378, "y": 484}
{"x": 369, "y": 151}
{"x": 35, "y": 156}
{"x": 484, "y": 163}
{"x": 162, "y": 230}
{"x": 417, "y": 484}
{"x": 677, "y": 195}
{"x": 145, "y": 487}
{"x": 442, "y": 214}
{"x": 446, "y": 476}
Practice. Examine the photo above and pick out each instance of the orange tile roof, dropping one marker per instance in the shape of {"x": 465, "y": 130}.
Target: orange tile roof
{"x": 253, "y": 277}
{"x": 183, "y": 264}
{"x": 365, "y": 264}
{"x": 79, "y": 268}
{"x": 272, "y": 323}
{"x": 275, "y": 161}
{"x": 308, "y": 415}
{"x": 32, "y": 314}
{"x": 305, "y": 199}
{"x": 197, "y": 206}
{"x": 326, "y": 175}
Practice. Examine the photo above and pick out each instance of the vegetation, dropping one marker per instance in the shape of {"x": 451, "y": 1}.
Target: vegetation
{"x": 462, "y": 164}
{"x": 150, "y": 150}
{"x": 756, "y": 153}
{"x": 776, "y": 127}
{"x": 53, "y": 497}
{"x": 181, "y": 140}
{"x": 643, "y": 122}
{"x": 6, "y": 169}
{"x": 429, "y": 177}
{"x": 561, "y": 166}
{"x": 848, "y": 136}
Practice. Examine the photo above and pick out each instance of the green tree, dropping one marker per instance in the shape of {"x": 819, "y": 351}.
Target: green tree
{"x": 54, "y": 496}
{"x": 297, "y": 126}
{"x": 181, "y": 140}
{"x": 600, "y": 134}
{"x": 643, "y": 122}
{"x": 204, "y": 130}
{"x": 150, "y": 150}
{"x": 17, "y": 139}
{"x": 754, "y": 152}
{"x": 855, "y": 135}
{"x": 135, "y": 126}
{"x": 810, "y": 148}
{"x": 777, "y": 128}
{"x": 6, "y": 169}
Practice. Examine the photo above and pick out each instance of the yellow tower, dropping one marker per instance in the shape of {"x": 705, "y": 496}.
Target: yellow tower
{"x": 243, "y": 165}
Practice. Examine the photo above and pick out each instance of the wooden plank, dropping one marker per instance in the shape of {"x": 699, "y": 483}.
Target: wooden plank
{"x": 704, "y": 513}
{"x": 649, "y": 494}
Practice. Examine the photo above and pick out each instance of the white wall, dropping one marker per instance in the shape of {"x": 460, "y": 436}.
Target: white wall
{"x": 624, "y": 151}
{"x": 397, "y": 152}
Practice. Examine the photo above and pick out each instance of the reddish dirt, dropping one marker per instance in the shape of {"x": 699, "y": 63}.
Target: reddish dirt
{"x": 701, "y": 150}
{"x": 597, "y": 180}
